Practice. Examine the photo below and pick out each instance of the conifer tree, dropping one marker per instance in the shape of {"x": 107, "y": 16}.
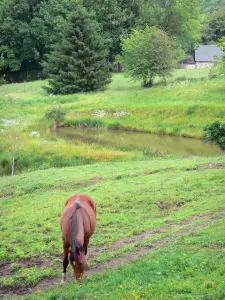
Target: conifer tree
{"x": 78, "y": 61}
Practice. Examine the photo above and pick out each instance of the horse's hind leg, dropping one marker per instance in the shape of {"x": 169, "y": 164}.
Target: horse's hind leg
{"x": 65, "y": 260}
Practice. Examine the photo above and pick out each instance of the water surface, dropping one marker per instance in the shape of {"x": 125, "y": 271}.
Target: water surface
{"x": 129, "y": 141}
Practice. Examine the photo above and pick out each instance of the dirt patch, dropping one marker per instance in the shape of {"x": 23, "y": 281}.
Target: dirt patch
{"x": 109, "y": 264}
{"x": 5, "y": 194}
{"x": 9, "y": 268}
{"x": 206, "y": 166}
{"x": 79, "y": 185}
{"x": 214, "y": 166}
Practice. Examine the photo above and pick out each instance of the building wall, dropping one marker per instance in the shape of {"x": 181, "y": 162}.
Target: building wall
{"x": 187, "y": 66}
{"x": 204, "y": 65}
{"x": 197, "y": 65}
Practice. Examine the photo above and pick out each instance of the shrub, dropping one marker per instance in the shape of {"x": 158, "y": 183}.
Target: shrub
{"x": 216, "y": 133}
{"x": 56, "y": 113}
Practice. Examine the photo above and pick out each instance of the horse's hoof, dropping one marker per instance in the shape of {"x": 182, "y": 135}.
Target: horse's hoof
{"x": 63, "y": 279}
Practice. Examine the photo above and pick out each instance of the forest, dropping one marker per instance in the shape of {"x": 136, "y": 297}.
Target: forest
{"x": 30, "y": 30}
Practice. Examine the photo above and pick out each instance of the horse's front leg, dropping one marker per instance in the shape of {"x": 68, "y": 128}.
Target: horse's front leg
{"x": 86, "y": 242}
{"x": 65, "y": 260}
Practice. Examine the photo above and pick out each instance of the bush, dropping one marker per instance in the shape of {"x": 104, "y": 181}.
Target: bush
{"x": 216, "y": 133}
{"x": 2, "y": 80}
{"x": 57, "y": 114}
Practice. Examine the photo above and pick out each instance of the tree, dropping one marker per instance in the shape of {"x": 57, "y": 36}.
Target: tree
{"x": 209, "y": 6}
{"x": 180, "y": 19}
{"x": 14, "y": 142}
{"x": 28, "y": 28}
{"x": 78, "y": 61}
{"x": 17, "y": 45}
{"x": 214, "y": 27}
{"x": 148, "y": 53}
{"x": 221, "y": 44}
{"x": 117, "y": 18}
{"x": 49, "y": 22}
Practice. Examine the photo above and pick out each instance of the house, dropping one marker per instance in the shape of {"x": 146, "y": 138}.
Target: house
{"x": 204, "y": 56}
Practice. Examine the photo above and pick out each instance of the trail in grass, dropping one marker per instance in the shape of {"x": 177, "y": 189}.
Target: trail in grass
{"x": 114, "y": 262}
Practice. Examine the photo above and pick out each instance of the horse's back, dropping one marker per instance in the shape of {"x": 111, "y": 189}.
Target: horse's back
{"x": 89, "y": 213}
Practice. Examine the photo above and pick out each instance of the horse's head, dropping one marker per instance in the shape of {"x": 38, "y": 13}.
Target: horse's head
{"x": 78, "y": 257}
{"x": 81, "y": 258}
{"x": 79, "y": 262}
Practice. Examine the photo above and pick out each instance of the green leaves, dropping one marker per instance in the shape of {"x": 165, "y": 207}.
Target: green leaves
{"x": 215, "y": 132}
{"x": 148, "y": 53}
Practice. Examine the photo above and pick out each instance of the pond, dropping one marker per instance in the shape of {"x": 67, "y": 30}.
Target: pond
{"x": 130, "y": 141}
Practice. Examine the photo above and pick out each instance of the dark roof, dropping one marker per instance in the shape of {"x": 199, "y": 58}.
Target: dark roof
{"x": 207, "y": 53}
{"x": 188, "y": 60}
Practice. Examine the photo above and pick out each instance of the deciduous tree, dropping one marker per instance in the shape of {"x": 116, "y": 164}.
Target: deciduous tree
{"x": 148, "y": 53}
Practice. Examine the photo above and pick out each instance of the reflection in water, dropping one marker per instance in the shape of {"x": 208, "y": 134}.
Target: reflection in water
{"x": 128, "y": 140}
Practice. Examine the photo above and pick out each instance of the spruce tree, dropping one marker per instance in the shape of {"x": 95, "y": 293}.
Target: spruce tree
{"x": 78, "y": 61}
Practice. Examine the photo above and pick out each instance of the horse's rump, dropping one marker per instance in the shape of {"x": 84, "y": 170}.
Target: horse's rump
{"x": 85, "y": 209}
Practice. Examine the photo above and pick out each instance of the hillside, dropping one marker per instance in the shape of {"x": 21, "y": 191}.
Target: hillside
{"x": 182, "y": 107}
{"x": 168, "y": 213}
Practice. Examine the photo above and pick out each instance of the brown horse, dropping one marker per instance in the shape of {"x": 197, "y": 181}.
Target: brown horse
{"x": 77, "y": 223}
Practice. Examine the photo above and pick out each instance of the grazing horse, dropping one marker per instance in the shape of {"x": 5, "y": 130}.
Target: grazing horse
{"x": 77, "y": 223}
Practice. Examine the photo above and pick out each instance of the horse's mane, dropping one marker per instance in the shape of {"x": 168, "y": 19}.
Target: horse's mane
{"x": 73, "y": 231}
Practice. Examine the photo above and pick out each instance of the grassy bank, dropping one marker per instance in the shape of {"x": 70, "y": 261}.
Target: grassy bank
{"x": 182, "y": 107}
{"x": 131, "y": 198}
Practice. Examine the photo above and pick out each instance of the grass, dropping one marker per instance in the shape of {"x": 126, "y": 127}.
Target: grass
{"x": 184, "y": 270}
{"x": 135, "y": 192}
{"x": 182, "y": 107}
{"x": 127, "y": 196}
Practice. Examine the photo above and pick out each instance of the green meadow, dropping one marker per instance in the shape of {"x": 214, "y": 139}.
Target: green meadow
{"x": 132, "y": 198}
{"x": 182, "y": 107}
{"x": 160, "y": 218}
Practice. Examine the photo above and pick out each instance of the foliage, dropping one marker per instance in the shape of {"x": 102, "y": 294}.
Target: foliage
{"x": 209, "y": 6}
{"x": 78, "y": 61}
{"x": 215, "y": 132}
{"x": 17, "y": 44}
{"x": 180, "y": 19}
{"x": 28, "y": 29}
{"x": 117, "y": 18}
{"x": 221, "y": 44}
{"x": 148, "y": 53}
{"x": 48, "y": 24}
{"x": 214, "y": 27}
{"x": 56, "y": 113}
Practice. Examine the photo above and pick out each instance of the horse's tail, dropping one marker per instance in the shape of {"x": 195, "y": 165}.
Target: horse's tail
{"x": 73, "y": 231}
